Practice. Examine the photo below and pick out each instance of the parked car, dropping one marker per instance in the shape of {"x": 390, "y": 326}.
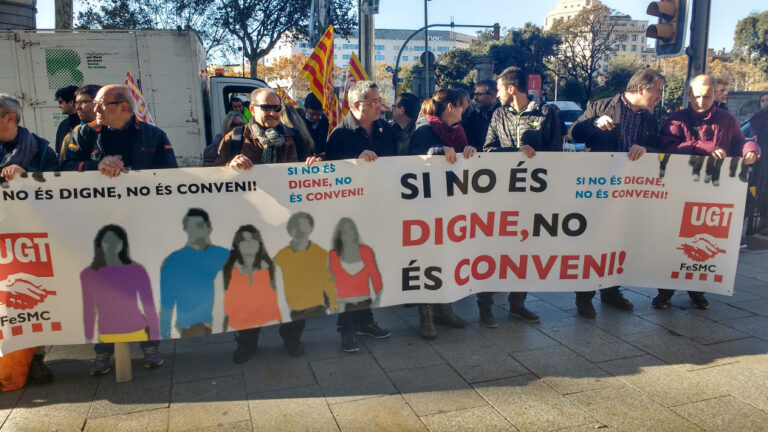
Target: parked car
{"x": 569, "y": 113}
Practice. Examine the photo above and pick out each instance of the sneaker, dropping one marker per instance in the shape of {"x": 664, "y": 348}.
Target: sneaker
{"x": 699, "y": 302}
{"x": 707, "y": 178}
{"x": 349, "y": 343}
{"x": 661, "y": 301}
{"x": 243, "y": 353}
{"x": 152, "y": 357}
{"x": 524, "y": 314}
{"x": 586, "y": 309}
{"x": 696, "y": 177}
{"x": 373, "y": 330}
{"x": 715, "y": 182}
{"x": 38, "y": 371}
{"x": 102, "y": 364}
{"x": 294, "y": 348}
{"x": 617, "y": 300}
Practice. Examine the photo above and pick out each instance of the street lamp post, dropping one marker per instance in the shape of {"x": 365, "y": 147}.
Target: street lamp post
{"x": 426, "y": 51}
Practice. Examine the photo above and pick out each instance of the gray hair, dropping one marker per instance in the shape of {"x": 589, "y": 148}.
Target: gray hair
{"x": 264, "y": 90}
{"x": 359, "y": 91}
{"x": 9, "y": 105}
{"x": 645, "y": 78}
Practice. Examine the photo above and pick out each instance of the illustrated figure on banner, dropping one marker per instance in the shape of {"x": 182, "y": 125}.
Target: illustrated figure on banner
{"x": 110, "y": 286}
{"x": 187, "y": 279}
{"x": 354, "y": 268}
{"x": 250, "y": 298}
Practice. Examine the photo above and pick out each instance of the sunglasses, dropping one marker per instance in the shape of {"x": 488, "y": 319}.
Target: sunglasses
{"x": 266, "y": 107}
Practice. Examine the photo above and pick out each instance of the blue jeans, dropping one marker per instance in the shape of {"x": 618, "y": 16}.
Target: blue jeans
{"x": 349, "y": 322}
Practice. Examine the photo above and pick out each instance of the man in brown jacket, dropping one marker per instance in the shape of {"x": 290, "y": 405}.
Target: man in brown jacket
{"x": 264, "y": 140}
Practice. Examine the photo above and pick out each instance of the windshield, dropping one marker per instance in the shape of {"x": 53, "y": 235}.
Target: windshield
{"x": 570, "y": 115}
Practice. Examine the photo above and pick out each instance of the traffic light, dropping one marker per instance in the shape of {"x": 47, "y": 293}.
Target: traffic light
{"x": 496, "y": 31}
{"x": 670, "y": 30}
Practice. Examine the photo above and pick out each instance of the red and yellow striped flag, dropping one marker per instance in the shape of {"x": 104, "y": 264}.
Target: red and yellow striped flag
{"x": 319, "y": 72}
{"x": 285, "y": 97}
{"x": 140, "y": 106}
{"x": 355, "y": 73}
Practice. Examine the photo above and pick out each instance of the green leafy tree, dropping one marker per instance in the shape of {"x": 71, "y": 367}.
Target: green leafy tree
{"x": 453, "y": 69}
{"x": 751, "y": 39}
{"x": 620, "y": 70}
{"x": 526, "y": 47}
{"x": 585, "y": 42}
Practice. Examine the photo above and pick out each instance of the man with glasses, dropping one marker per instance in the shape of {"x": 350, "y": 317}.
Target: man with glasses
{"x": 86, "y": 112}
{"x": 65, "y": 97}
{"x": 267, "y": 141}
{"x": 362, "y": 134}
{"x": 404, "y": 115}
{"x": 118, "y": 141}
{"x": 478, "y": 116}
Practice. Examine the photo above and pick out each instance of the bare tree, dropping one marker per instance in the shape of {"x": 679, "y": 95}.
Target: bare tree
{"x": 585, "y": 45}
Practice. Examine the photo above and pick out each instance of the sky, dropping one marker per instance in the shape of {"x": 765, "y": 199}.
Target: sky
{"x": 409, "y": 14}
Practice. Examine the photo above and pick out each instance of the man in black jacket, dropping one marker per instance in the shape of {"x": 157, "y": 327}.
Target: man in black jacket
{"x": 623, "y": 123}
{"x": 405, "y": 111}
{"x": 65, "y": 97}
{"x": 362, "y": 134}
{"x": 21, "y": 150}
{"x": 316, "y": 122}
{"x": 115, "y": 141}
{"x": 478, "y": 117}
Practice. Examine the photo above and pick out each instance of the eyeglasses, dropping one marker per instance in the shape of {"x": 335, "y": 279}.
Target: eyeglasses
{"x": 82, "y": 103}
{"x": 103, "y": 105}
{"x": 267, "y": 107}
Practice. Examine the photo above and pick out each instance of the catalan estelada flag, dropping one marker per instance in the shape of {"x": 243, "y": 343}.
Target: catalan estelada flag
{"x": 355, "y": 73}
{"x": 319, "y": 72}
{"x": 140, "y": 107}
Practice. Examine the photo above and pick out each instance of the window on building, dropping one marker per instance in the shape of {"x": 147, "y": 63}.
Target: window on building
{"x": 633, "y": 48}
{"x": 418, "y": 48}
{"x": 303, "y": 45}
{"x": 616, "y": 47}
{"x": 378, "y": 57}
{"x": 345, "y": 56}
{"x": 643, "y": 58}
{"x": 378, "y": 47}
{"x": 443, "y": 49}
{"x": 404, "y": 58}
{"x": 634, "y": 38}
{"x": 349, "y": 46}
{"x": 623, "y": 47}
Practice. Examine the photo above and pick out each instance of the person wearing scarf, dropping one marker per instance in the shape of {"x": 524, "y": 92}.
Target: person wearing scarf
{"x": 439, "y": 132}
{"x": 265, "y": 139}
{"x": 21, "y": 150}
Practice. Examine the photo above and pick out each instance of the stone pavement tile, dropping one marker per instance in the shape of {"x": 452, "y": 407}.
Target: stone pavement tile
{"x": 718, "y": 311}
{"x": 192, "y": 363}
{"x": 739, "y": 295}
{"x": 447, "y": 334}
{"x": 678, "y": 350}
{"x": 82, "y": 352}
{"x": 564, "y": 370}
{"x": 480, "y": 360}
{"x": 388, "y": 319}
{"x": 759, "y": 307}
{"x": 384, "y": 413}
{"x": 395, "y": 353}
{"x": 751, "y": 351}
{"x": 745, "y": 269}
{"x": 61, "y": 405}
{"x": 620, "y": 323}
{"x": 218, "y": 338}
{"x": 155, "y": 420}
{"x": 531, "y": 405}
{"x": 699, "y": 329}
{"x": 273, "y": 369}
{"x": 666, "y": 384}
{"x": 323, "y": 344}
{"x": 592, "y": 343}
{"x": 724, "y": 414}
{"x": 741, "y": 381}
{"x": 551, "y": 316}
{"x": 760, "y": 288}
{"x": 208, "y": 402}
{"x": 747, "y": 257}
{"x": 241, "y": 426}
{"x": 296, "y": 409}
{"x": 482, "y": 419}
{"x": 588, "y": 428}
{"x": 435, "y": 389}
{"x": 145, "y": 392}
{"x": 623, "y": 408}
{"x": 561, "y": 300}
{"x": 8, "y": 400}
{"x": 518, "y": 336}
{"x": 351, "y": 377}
{"x": 756, "y": 326}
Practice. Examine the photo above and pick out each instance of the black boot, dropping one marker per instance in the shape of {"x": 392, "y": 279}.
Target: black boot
{"x": 444, "y": 315}
{"x": 486, "y": 315}
{"x": 427, "y": 321}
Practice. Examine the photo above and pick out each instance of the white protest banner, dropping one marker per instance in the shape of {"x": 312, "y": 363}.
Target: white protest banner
{"x": 146, "y": 255}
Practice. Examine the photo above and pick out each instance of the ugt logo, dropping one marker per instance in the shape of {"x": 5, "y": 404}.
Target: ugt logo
{"x": 702, "y": 224}
{"x": 24, "y": 258}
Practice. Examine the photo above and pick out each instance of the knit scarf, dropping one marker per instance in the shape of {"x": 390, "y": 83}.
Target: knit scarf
{"x": 451, "y": 136}
{"x": 22, "y": 154}
{"x": 270, "y": 139}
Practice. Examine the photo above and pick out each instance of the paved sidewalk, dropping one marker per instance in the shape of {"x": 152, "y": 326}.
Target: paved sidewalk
{"x": 674, "y": 370}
